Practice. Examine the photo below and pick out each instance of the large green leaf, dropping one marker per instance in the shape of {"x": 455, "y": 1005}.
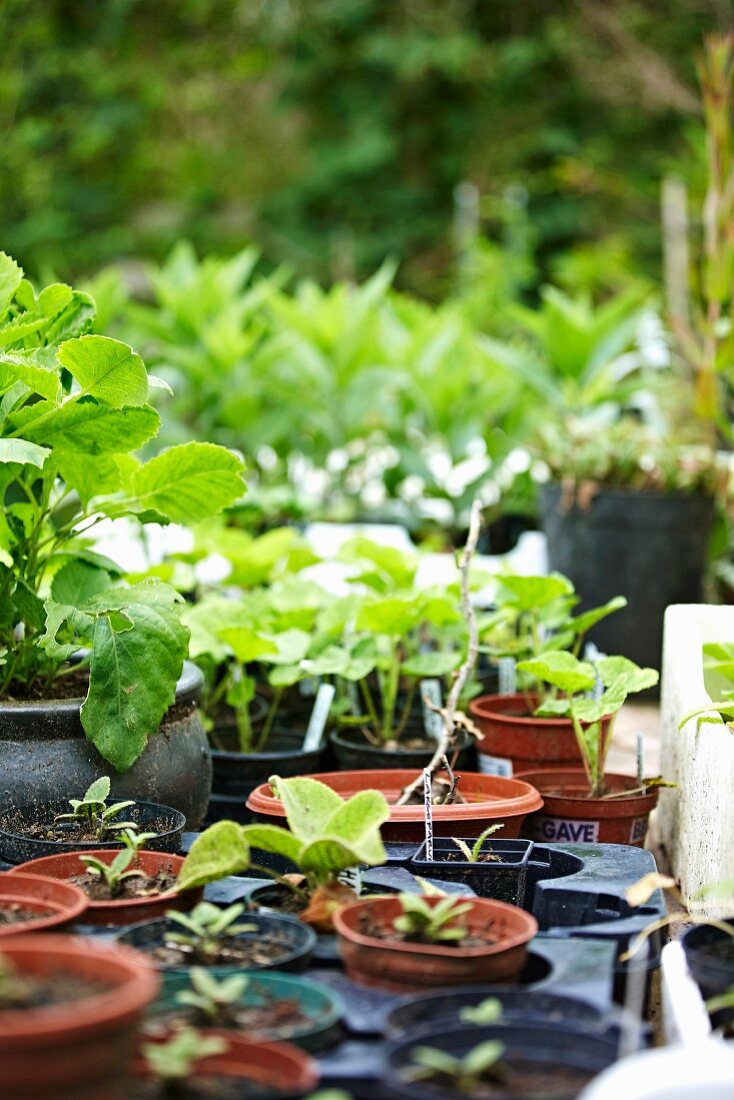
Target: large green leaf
{"x": 77, "y": 581}
{"x": 93, "y": 429}
{"x": 621, "y": 673}
{"x": 273, "y": 838}
{"x": 309, "y": 805}
{"x": 430, "y": 664}
{"x": 10, "y": 276}
{"x": 220, "y": 851}
{"x": 16, "y": 367}
{"x": 584, "y": 622}
{"x": 23, "y": 452}
{"x": 562, "y": 670}
{"x": 530, "y": 593}
{"x": 396, "y": 615}
{"x": 106, "y": 369}
{"x": 247, "y": 644}
{"x": 357, "y": 822}
{"x": 188, "y": 482}
{"x": 134, "y": 669}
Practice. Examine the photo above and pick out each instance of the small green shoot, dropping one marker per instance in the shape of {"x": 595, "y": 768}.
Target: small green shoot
{"x": 478, "y": 1066}
{"x": 206, "y": 926}
{"x": 133, "y": 840}
{"x": 114, "y": 874}
{"x": 175, "y": 1059}
{"x": 92, "y": 812}
{"x": 475, "y": 854}
{"x": 488, "y": 1011}
{"x": 422, "y": 922}
{"x": 213, "y": 999}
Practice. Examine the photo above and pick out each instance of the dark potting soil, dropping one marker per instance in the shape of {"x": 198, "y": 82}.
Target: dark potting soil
{"x": 12, "y": 912}
{"x": 230, "y": 951}
{"x": 71, "y": 831}
{"x": 282, "y": 900}
{"x": 25, "y": 992}
{"x": 368, "y": 926}
{"x": 271, "y": 1015}
{"x": 73, "y": 685}
{"x": 520, "y": 1081}
{"x": 142, "y": 886}
{"x": 459, "y": 857}
{"x": 202, "y": 1088}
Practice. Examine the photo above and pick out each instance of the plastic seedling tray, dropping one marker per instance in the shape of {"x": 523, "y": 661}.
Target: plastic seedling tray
{"x": 502, "y": 878}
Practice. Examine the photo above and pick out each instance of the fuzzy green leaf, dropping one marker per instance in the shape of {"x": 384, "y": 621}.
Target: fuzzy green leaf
{"x": 220, "y": 851}
{"x": 562, "y": 670}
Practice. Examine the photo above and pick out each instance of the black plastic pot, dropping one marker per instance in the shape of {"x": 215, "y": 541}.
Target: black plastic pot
{"x": 710, "y": 956}
{"x": 236, "y": 774}
{"x": 296, "y": 940}
{"x": 45, "y": 755}
{"x": 17, "y": 847}
{"x": 541, "y": 1045}
{"x": 353, "y": 753}
{"x": 649, "y": 547}
{"x": 269, "y": 898}
{"x": 434, "y": 1011}
{"x": 503, "y": 879}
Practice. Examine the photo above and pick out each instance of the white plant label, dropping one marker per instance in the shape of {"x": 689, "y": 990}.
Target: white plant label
{"x": 432, "y": 722}
{"x": 564, "y": 829}
{"x": 495, "y": 765}
{"x": 640, "y": 741}
{"x": 507, "y": 675}
{"x": 319, "y": 714}
{"x": 428, "y": 812}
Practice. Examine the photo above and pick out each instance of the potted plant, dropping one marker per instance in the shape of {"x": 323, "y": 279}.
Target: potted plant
{"x": 122, "y": 887}
{"x": 75, "y": 411}
{"x": 190, "y": 1064}
{"x": 325, "y": 837}
{"x": 32, "y": 903}
{"x": 589, "y": 805}
{"x": 215, "y": 938}
{"x": 267, "y": 1006}
{"x": 69, "y": 1012}
{"x": 92, "y": 821}
{"x": 533, "y": 614}
{"x": 492, "y": 868}
{"x": 250, "y": 649}
{"x": 408, "y": 942}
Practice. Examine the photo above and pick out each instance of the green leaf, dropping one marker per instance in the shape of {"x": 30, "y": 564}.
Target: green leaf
{"x": 482, "y": 1057}
{"x": 290, "y": 647}
{"x": 99, "y": 790}
{"x": 126, "y": 703}
{"x": 188, "y": 482}
{"x": 562, "y": 670}
{"x": 357, "y": 822}
{"x": 10, "y": 277}
{"x": 106, "y": 369}
{"x": 309, "y": 805}
{"x": 23, "y": 452}
{"x": 19, "y": 368}
{"x": 394, "y": 615}
{"x": 220, "y": 851}
{"x": 620, "y": 672}
{"x": 95, "y": 429}
{"x": 77, "y": 581}
{"x": 340, "y": 662}
{"x": 80, "y": 625}
{"x": 246, "y": 644}
{"x": 273, "y": 838}
{"x": 29, "y": 607}
{"x": 90, "y": 479}
{"x": 430, "y": 664}
{"x": 531, "y": 593}
{"x": 584, "y": 622}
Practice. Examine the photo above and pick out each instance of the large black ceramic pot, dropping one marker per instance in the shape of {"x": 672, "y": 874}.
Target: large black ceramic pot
{"x": 45, "y": 755}
{"x": 649, "y": 547}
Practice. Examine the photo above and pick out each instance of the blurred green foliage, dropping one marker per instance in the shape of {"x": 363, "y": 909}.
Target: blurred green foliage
{"x": 333, "y": 132}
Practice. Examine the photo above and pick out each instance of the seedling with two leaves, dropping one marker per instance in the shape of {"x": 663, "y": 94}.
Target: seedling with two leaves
{"x": 204, "y": 929}
{"x": 421, "y": 922}
{"x": 211, "y": 999}
{"x": 114, "y": 874}
{"x": 479, "y": 1066}
{"x": 91, "y": 813}
{"x": 173, "y": 1062}
{"x": 475, "y": 853}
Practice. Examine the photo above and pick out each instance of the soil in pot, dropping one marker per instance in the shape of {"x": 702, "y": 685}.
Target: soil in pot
{"x": 146, "y": 886}
{"x": 500, "y": 871}
{"x": 514, "y": 740}
{"x": 516, "y": 1080}
{"x": 376, "y": 954}
{"x": 570, "y": 816}
{"x": 16, "y": 912}
{"x": 38, "y": 903}
{"x": 30, "y": 832}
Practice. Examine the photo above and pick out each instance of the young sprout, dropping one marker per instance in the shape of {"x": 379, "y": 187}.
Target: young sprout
{"x": 205, "y": 928}
{"x": 174, "y": 1060}
{"x": 473, "y": 854}
{"x": 92, "y": 811}
{"x": 114, "y": 874}
{"x": 426, "y": 923}
{"x": 134, "y": 840}
{"x": 479, "y": 1065}
{"x": 211, "y": 998}
{"x": 488, "y": 1011}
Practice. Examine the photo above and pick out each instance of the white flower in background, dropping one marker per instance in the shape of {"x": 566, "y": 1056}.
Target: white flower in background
{"x": 337, "y": 460}
{"x": 266, "y": 457}
{"x": 373, "y": 494}
{"x": 212, "y": 569}
{"x": 411, "y": 488}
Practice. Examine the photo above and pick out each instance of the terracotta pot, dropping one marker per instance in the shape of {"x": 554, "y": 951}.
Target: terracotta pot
{"x": 570, "y": 816}
{"x": 515, "y": 741}
{"x": 127, "y": 910}
{"x": 278, "y": 1066}
{"x": 488, "y": 798}
{"x": 56, "y": 903}
{"x": 79, "y": 1050}
{"x": 406, "y": 967}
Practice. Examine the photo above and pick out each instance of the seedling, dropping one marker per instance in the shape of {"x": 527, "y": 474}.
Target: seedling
{"x": 206, "y": 926}
{"x": 425, "y": 923}
{"x": 488, "y": 1011}
{"x": 211, "y": 998}
{"x": 174, "y": 1061}
{"x": 475, "y": 854}
{"x": 114, "y": 874}
{"x": 479, "y": 1066}
{"x": 92, "y": 812}
{"x": 135, "y": 841}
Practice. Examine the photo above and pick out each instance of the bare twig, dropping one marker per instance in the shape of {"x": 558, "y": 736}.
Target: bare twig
{"x": 448, "y": 713}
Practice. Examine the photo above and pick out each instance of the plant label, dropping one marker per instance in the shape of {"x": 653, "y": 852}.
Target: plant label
{"x": 563, "y": 829}
{"x": 640, "y": 758}
{"x": 507, "y": 675}
{"x": 428, "y": 812}
{"x": 319, "y": 714}
{"x": 638, "y": 831}
{"x": 495, "y": 765}
{"x": 432, "y": 722}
